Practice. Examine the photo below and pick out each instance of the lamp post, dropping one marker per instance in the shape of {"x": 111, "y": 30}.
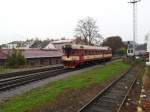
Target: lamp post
{"x": 134, "y": 2}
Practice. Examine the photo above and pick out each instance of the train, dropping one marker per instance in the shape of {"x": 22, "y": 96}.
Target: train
{"x": 146, "y": 56}
{"x": 76, "y": 55}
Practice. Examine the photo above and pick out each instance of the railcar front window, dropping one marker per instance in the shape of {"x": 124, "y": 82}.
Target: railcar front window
{"x": 67, "y": 51}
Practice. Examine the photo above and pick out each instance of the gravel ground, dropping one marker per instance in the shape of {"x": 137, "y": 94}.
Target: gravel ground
{"x": 132, "y": 100}
{"x": 22, "y": 89}
{"x": 28, "y": 68}
{"x": 145, "y": 93}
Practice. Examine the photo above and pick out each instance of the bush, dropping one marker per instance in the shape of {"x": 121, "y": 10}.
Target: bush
{"x": 16, "y": 59}
{"x": 121, "y": 52}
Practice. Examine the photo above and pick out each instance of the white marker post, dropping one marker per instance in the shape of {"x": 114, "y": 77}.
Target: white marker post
{"x": 148, "y": 48}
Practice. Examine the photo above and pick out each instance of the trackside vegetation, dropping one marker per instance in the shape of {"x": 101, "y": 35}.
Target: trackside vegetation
{"x": 48, "y": 93}
{"x": 16, "y": 59}
{"x": 5, "y": 70}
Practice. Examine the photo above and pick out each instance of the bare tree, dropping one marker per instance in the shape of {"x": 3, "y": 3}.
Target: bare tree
{"x": 88, "y": 30}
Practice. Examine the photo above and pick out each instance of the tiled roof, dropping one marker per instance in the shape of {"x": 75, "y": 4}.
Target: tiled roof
{"x": 3, "y": 55}
{"x": 37, "y": 53}
{"x": 39, "y": 44}
{"x": 50, "y": 46}
{"x": 33, "y": 53}
{"x": 61, "y": 41}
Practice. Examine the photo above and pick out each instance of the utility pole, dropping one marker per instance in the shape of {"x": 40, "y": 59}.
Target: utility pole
{"x": 134, "y": 2}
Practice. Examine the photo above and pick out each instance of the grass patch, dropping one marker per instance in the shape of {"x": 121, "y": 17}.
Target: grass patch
{"x": 49, "y": 92}
{"x": 5, "y": 70}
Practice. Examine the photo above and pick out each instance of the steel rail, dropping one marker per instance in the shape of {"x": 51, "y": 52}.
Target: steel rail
{"x": 30, "y": 78}
{"x": 25, "y": 72}
{"x": 123, "y": 101}
{"x": 100, "y": 98}
{"x": 8, "y": 83}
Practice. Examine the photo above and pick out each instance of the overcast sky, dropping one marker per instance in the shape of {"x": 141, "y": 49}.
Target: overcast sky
{"x": 22, "y": 19}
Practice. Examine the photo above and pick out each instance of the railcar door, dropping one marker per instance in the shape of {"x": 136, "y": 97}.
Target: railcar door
{"x": 81, "y": 55}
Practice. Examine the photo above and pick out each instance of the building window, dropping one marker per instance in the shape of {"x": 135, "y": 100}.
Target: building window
{"x": 128, "y": 51}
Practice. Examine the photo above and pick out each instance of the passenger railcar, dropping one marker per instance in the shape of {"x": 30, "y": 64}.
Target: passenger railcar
{"x": 146, "y": 56}
{"x": 75, "y": 55}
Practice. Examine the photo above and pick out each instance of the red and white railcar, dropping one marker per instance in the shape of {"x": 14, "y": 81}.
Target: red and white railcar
{"x": 75, "y": 55}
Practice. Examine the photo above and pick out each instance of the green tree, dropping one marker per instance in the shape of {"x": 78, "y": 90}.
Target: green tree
{"x": 16, "y": 59}
{"x": 115, "y": 43}
{"x": 121, "y": 52}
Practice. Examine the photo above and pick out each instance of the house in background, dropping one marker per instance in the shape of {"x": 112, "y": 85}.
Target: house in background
{"x": 34, "y": 57}
{"x": 3, "y": 58}
{"x": 39, "y": 44}
{"x": 58, "y": 44}
{"x": 50, "y": 46}
{"x": 17, "y": 44}
{"x": 140, "y": 49}
{"x": 38, "y": 52}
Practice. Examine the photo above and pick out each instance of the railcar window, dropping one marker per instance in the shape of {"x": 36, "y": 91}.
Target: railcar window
{"x": 86, "y": 52}
{"x": 72, "y": 52}
{"x": 90, "y": 52}
{"x": 77, "y": 52}
{"x": 99, "y": 52}
{"x": 67, "y": 51}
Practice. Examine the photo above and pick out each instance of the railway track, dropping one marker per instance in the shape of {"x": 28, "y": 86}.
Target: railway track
{"x": 9, "y": 83}
{"x": 113, "y": 96}
{"x": 12, "y": 80}
{"x": 25, "y": 72}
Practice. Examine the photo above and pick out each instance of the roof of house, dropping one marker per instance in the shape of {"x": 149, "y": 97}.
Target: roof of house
{"x": 61, "y": 41}
{"x": 32, "y": 53}
{"x": 49, "y": 46}
{"x": 39, "y": 44}
{"x": 3, "y": 55}
{"x": 37, "y": 53}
